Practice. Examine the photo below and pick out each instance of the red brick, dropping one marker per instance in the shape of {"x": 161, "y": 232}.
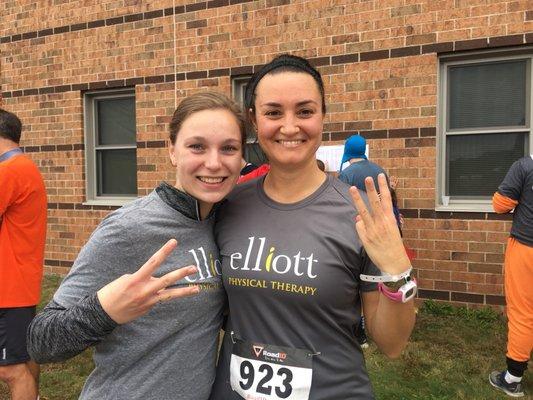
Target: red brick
{"x": 454, "y": 286}
{"x": 485, "y": 247}
{"x": 485, "y": 268}
{"x": 494, "y": 258}
{"x": 467, "y": 277}
{"x": 485, "y": 288}
{"x": 467, "y": 256}
{"x": 469, "y": 236}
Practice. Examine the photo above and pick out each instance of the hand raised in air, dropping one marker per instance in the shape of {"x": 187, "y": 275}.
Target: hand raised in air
{"x": 132, "y": 295}
{"x": 377, "y": 228}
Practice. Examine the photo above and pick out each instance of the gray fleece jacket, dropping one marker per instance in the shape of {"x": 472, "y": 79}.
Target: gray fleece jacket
{"x": 170, "y": 352}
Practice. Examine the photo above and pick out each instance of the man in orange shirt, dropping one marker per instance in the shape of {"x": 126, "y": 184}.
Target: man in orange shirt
{"x": 22, "y": 239}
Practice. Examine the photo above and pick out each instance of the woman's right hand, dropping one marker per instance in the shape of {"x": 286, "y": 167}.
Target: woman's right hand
{"x": 133, "y": 295}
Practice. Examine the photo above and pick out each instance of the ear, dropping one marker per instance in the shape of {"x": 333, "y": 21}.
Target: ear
{"x": 171, "y": 153}
{"x": 252, "y": 119}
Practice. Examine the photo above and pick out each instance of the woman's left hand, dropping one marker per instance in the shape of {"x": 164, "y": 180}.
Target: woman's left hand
{"x": 377, "y": 228}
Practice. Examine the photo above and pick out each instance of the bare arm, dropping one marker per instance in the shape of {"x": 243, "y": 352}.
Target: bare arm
{"x": 389, "y": 323}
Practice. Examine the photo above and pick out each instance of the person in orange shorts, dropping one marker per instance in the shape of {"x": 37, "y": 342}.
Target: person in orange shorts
{"x": 22, "y": 239}
{"x": 516, "y": 193}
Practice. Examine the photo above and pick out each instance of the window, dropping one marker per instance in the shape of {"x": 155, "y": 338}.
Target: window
{"x": 110, "y": 147}
{"x": 484, "y": 126}
{"x": 252, "y": 151}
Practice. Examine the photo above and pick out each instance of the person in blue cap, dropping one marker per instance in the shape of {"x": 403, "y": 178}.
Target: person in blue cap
{"x": 360, "y": 167}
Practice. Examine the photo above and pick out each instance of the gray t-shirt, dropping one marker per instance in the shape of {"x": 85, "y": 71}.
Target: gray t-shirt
{"x": 291, "y": 273}
{"x": 170, "y": 352}
{"x": 355, "y": 174}
{"x": 518, "y": 185}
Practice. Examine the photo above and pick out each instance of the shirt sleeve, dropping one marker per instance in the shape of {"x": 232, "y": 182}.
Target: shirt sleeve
{"x": 502, "y": 204}
{"x": 75, "y": 319}
{"x": 511, "y": 185}
{"x": 109, "y": 254}
{"x": 368, "y": 268}
{"x": 59, "y": 333}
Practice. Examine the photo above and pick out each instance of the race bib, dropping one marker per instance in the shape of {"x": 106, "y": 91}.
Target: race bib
{"x": 267, "y": 372}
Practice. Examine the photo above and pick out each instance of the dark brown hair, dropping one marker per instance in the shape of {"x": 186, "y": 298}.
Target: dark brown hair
{"x": 10, "y": 126}
{"x": 205, "y": 101}
{"x": 283, "y": 63}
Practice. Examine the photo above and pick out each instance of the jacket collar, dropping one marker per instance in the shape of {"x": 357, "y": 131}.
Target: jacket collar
{"x": 182, "y": 202}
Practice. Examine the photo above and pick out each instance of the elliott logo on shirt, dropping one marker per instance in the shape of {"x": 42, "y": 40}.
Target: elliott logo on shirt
{"x": 280, "y": 264}
{"x": 206, "y": 269}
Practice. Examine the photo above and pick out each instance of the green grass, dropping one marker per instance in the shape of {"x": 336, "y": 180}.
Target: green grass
{"x": 59, "y": 381}
{"x": 451, "y": 353}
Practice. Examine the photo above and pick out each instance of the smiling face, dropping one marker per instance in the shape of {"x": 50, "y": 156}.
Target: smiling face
{"x": 288, "y": 118}
{"x": 207, "y": 155}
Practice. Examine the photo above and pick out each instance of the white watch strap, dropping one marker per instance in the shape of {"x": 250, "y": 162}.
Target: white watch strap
{"x": 386, "y": 277}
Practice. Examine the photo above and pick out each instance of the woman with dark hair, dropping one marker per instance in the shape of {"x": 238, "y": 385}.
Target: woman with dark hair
{"x": 293, "y": 266}
{"x": 148, "y": 343}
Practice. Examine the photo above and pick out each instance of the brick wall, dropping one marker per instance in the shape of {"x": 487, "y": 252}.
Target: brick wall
{"x": 379, "y": 60}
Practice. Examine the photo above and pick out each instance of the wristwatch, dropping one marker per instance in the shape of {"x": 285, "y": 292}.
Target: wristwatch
{"x": 401, "y": 291}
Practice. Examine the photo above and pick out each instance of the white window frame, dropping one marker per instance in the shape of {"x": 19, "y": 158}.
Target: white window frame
{"x": 90, "y": 133}
{"x": 473, "y": 205}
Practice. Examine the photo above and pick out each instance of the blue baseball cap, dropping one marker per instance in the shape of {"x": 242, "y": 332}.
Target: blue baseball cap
{"x": 354, "y": 147}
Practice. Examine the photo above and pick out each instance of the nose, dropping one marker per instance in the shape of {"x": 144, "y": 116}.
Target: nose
{"x": 290, "y": 125}
{"x": 213, "y": 161}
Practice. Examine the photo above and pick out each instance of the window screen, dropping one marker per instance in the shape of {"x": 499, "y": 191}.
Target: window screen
{"x": 111, "y": 144}
{"x": 476, "y": 164}
{"x": 487, "y": 95}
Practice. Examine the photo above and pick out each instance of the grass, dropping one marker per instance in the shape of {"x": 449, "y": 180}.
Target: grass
{"x": 64, "y": 380}
{"x": 451, "y": 353}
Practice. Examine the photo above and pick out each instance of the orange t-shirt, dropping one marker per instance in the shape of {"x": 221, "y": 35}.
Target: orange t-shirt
{"x": 22, "y": 232}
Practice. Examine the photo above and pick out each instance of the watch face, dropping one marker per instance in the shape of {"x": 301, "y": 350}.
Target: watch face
{"x": 398, "y": 284}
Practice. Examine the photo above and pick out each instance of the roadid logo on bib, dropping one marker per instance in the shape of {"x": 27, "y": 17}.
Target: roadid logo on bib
{"x": 268, "y": 372}
{"x": 258, "y": 350}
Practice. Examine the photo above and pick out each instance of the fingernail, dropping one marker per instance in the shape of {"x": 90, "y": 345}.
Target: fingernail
{"x": 193, "y": 269}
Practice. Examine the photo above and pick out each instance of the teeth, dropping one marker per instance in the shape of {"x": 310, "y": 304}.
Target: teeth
{"x": 207, "y": 179}
{"x": 290, "y": 143}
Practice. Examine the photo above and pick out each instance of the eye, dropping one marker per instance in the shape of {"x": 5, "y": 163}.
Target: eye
{"x": 196, "y": 147}
{"x": 272, "y": 113}
{"x": 306, "y": 112}
{"x": 230, "y": 148}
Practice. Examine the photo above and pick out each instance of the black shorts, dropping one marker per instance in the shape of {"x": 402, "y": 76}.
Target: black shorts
{"x": 13, "y": 325}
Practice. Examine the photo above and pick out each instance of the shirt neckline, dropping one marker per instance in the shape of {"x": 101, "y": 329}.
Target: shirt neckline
{"x": 9, "y": 154}
{"x": 291, "y": 206}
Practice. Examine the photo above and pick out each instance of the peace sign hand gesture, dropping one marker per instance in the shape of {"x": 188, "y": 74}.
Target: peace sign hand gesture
{"x": 132, "y": 295}
{"x": 377, "y": 228}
